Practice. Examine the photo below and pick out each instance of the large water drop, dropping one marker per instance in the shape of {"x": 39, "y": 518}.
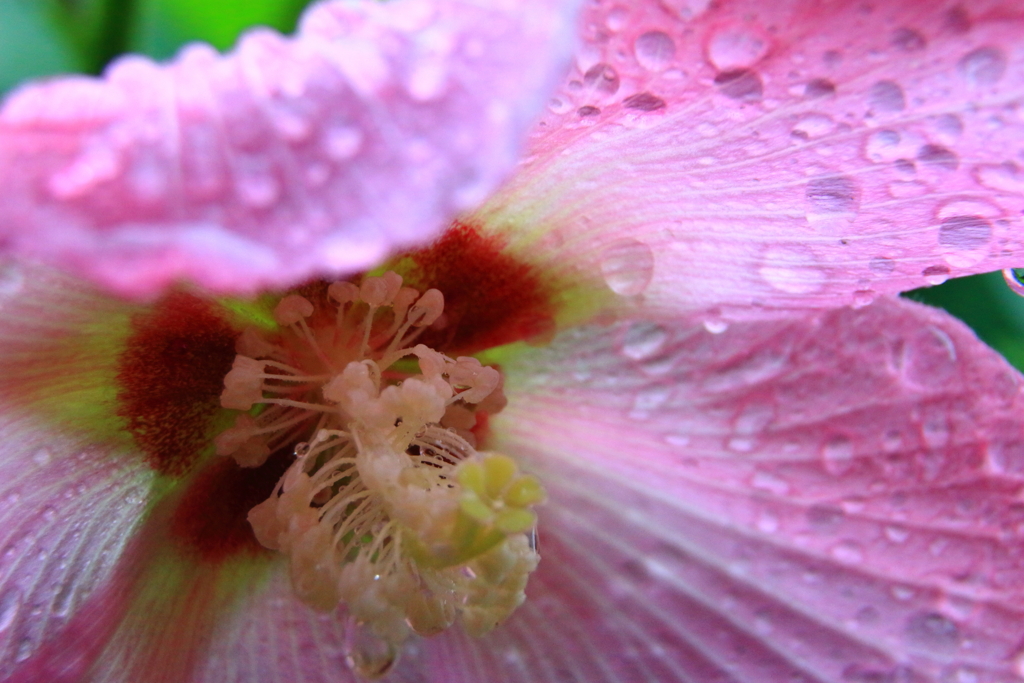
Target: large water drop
{"x": 654, "y": 50}
{"x": 1015, "y": 280}
{"x": 627, "y": 267}
{"x": 367, "y": 654}
{"x": 983, "y": 66}
{"x": 736, "y": 48}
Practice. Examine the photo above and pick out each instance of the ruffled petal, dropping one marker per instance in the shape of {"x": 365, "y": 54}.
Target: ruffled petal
{"x": 72, "y": 492}
{"x": 833, "y": 497}
{"x": 778, "y": 154}
{"x": 287, "y": 158}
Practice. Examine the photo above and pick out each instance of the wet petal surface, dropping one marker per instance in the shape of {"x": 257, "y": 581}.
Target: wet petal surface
{"x": 745, "y": 155}
{"x": 72, "y": 492}
{"x": 831, "y": 497}
{"x": 287, "y": 158}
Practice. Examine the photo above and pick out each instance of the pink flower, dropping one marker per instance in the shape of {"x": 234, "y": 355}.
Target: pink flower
{"x": 761, "y": 466}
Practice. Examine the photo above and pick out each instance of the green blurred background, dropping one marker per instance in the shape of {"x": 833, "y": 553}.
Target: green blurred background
{"x": 42, "y": 37}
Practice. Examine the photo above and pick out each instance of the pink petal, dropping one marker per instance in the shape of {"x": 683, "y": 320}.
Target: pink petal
{"x": 778, "y": 153}
{"x": 830, "y": 497}
{"x": 287, "y": 158}
{"x": 71, "y": 494}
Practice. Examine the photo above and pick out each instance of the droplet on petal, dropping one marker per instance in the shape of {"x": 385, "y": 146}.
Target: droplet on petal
{"x": 908, "y": 40}
{"x": 932, "y": 631}
{"x": 792, "y": 269}
{"x": 744, "y": 85}
{"x": 10, "y": 603}
{"x": 602, "y": 78}
{"x": 832, "y": 195}
{"x": 882, "y": 265}
{"x": 837, "y": 455}
{"x": 736, "y": 48}
{"x": 1015, "y": 280}
{"x": 984, "y": 66}
{"x": 643, "y": 340}
{"x": 643, "y": 101}
{"x": 819, "y": 87}
{"x": 887, "y": 97}
{"x": 965, "y": 233}
{"x": 654, "y": 50}
{"x": 939, "y": 157}
{"x": 627, "y": 267}
{"x": 935, "y": 275}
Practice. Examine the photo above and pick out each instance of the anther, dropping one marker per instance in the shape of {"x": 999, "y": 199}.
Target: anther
{"x": 388, "y": 506}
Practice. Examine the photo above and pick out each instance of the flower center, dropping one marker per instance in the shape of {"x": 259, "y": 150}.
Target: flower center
{"x": 388, "y": 507}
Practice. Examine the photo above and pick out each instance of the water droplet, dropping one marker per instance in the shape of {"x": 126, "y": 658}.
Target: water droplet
{"x": 342, "y": 142}
{"x": 10, "y": 603}
{"x": 887, "y": 97}
{"x": 366, "y": 654}
{"x": 650, "y": 399}
{"x": 1015, "y": 280}
{"x": 928, "y": 358}
{"x": 948, "y": 126}
{"x": 686, "y": 9}
{"x": 643, "y": 340}
{"x": 63, "y": 603}
{"x": 428, "y": 78}
{"x": 902, "y": 593}
{"x": 767, "y": 522}
{"x": 602, "y": 79}
{"x": 832, "y": 195}
{"x": 677, "y": 440}
{"x": 25, "y": 648}
{"x": 896, "y": 534}
{"x": 819, "y": 87}
{"x": 716, "y": 325}
{"x": 42, "y": 457}
{"x": 983, "y": 66}
{"x": 792, "y": 269}
{"x": 12, "y": 278}
{"x": 938, "y": 156}
{"x": 559, "y": 105}
{"x": 813, "y": 126}
{"x": 740, "y": 444}
{"x": 617, "y": 18}
{"x": 754, "y": 418}
{"x": 935, "y": 275}
{"x": 147, "y": 177}
{"x": 740, "y": 84}
{"x": 96, "y": 165}
{"x": 1006, "y": 177}
{"x": 257, "y": 189}
{"x": 627, "y": 267}
{"x": 769, "y": 482}
{"x": 908, "y": 40}
{"x": 293, "y": 126}
{"x": 864, "y": 297}
{"x": 736, "y": 48}
{"x": 643, "y": 101}
{"x": 882, "y": 265}
{"x": 654, "y": 50}
{"x": 49, "y": 513}
{"x": 935, "y": 432}
{"x": 848, "y": 552}
{"x": 965, "y": 233}
{"x": 932, "y": 631}
{"x": 837, "y": 455}
{"x": 587, "y": 110}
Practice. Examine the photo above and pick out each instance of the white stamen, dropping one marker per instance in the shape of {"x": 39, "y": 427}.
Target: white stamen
{"x": 388, "y": 509}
